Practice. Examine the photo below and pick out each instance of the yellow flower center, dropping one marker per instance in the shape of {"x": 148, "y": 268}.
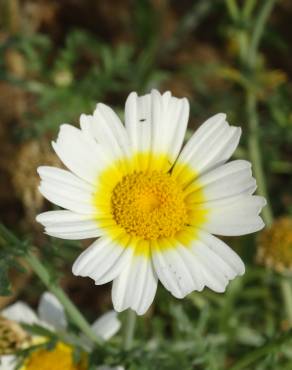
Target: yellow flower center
{"x": 149, "y": 205}
{"x": 60, "y": 358}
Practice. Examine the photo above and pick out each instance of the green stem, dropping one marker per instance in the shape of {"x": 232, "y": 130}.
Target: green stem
{"x": 248, "y": 8}
{"x": 264, "y": 350}
{"x": 287, "y": 296}
{"x": 259, "y": 29}
{"x": 129, "y": 329}
{"x": 251, "y": 109}
{"x": 235, "y": 15}
{"x": 243, "y": 44}
{"x": 256, "y": 159}
{"x": 69, "y": 306}
{"x": 255, "y": 153}
{"x": 232, "y": 8}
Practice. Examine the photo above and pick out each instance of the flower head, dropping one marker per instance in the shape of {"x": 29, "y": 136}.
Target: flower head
{"x": 152, "y": 205}
{"x": 275, "y": 246}
{"x": 51, "y": 315}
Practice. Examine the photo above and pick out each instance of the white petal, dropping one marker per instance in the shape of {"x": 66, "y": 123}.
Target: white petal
{"x": 68, "y": 197}
{"x": 219, "y": 263}
{"x": 78, "y": 235}
{"x": 20, "y": 312}
{"x": 136, "y": 286}
{"x": 214, "y": 275}
{"x": 8, "y": 362}
{"x": 66, "y": 190}
{"x": 176, "y": 270}
{"x": 208, "y": 262}
{"x": 236, "y": 215}
{"x": 139, "y": 128}
{"x": 169, "y": 119}
{"x": 193, "y": 266}
{"x": 138, "y": 121}
{"x": 69, "y": 225}
{"x": 212, "y": 144}
{"x": 58, "y": 176}
{"x": 102, "y": 261}
{"x": 87, "y": 125}
{"x": 51, "y": 311}
{"x": 157, "y": 122}
{"x": 223, "y": 251}
{"x": 210, "y": 128}
{"x": 107, "y": 325}
{"x": 51, "y": 218}
{"x": 230, "y": 179}
{"x": 80, "y": 153}
{"x": 110, "y": 132}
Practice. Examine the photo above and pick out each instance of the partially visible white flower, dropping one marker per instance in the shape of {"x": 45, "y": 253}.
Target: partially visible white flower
{"x": 51, "y": 314}
{"x": 12, "y": 338}
{"x": 7, "y": 362}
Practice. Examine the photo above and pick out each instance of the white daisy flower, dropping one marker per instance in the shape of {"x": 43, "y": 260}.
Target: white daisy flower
{"x": 51, "y": 314}
{"x": 152, "y": 204}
